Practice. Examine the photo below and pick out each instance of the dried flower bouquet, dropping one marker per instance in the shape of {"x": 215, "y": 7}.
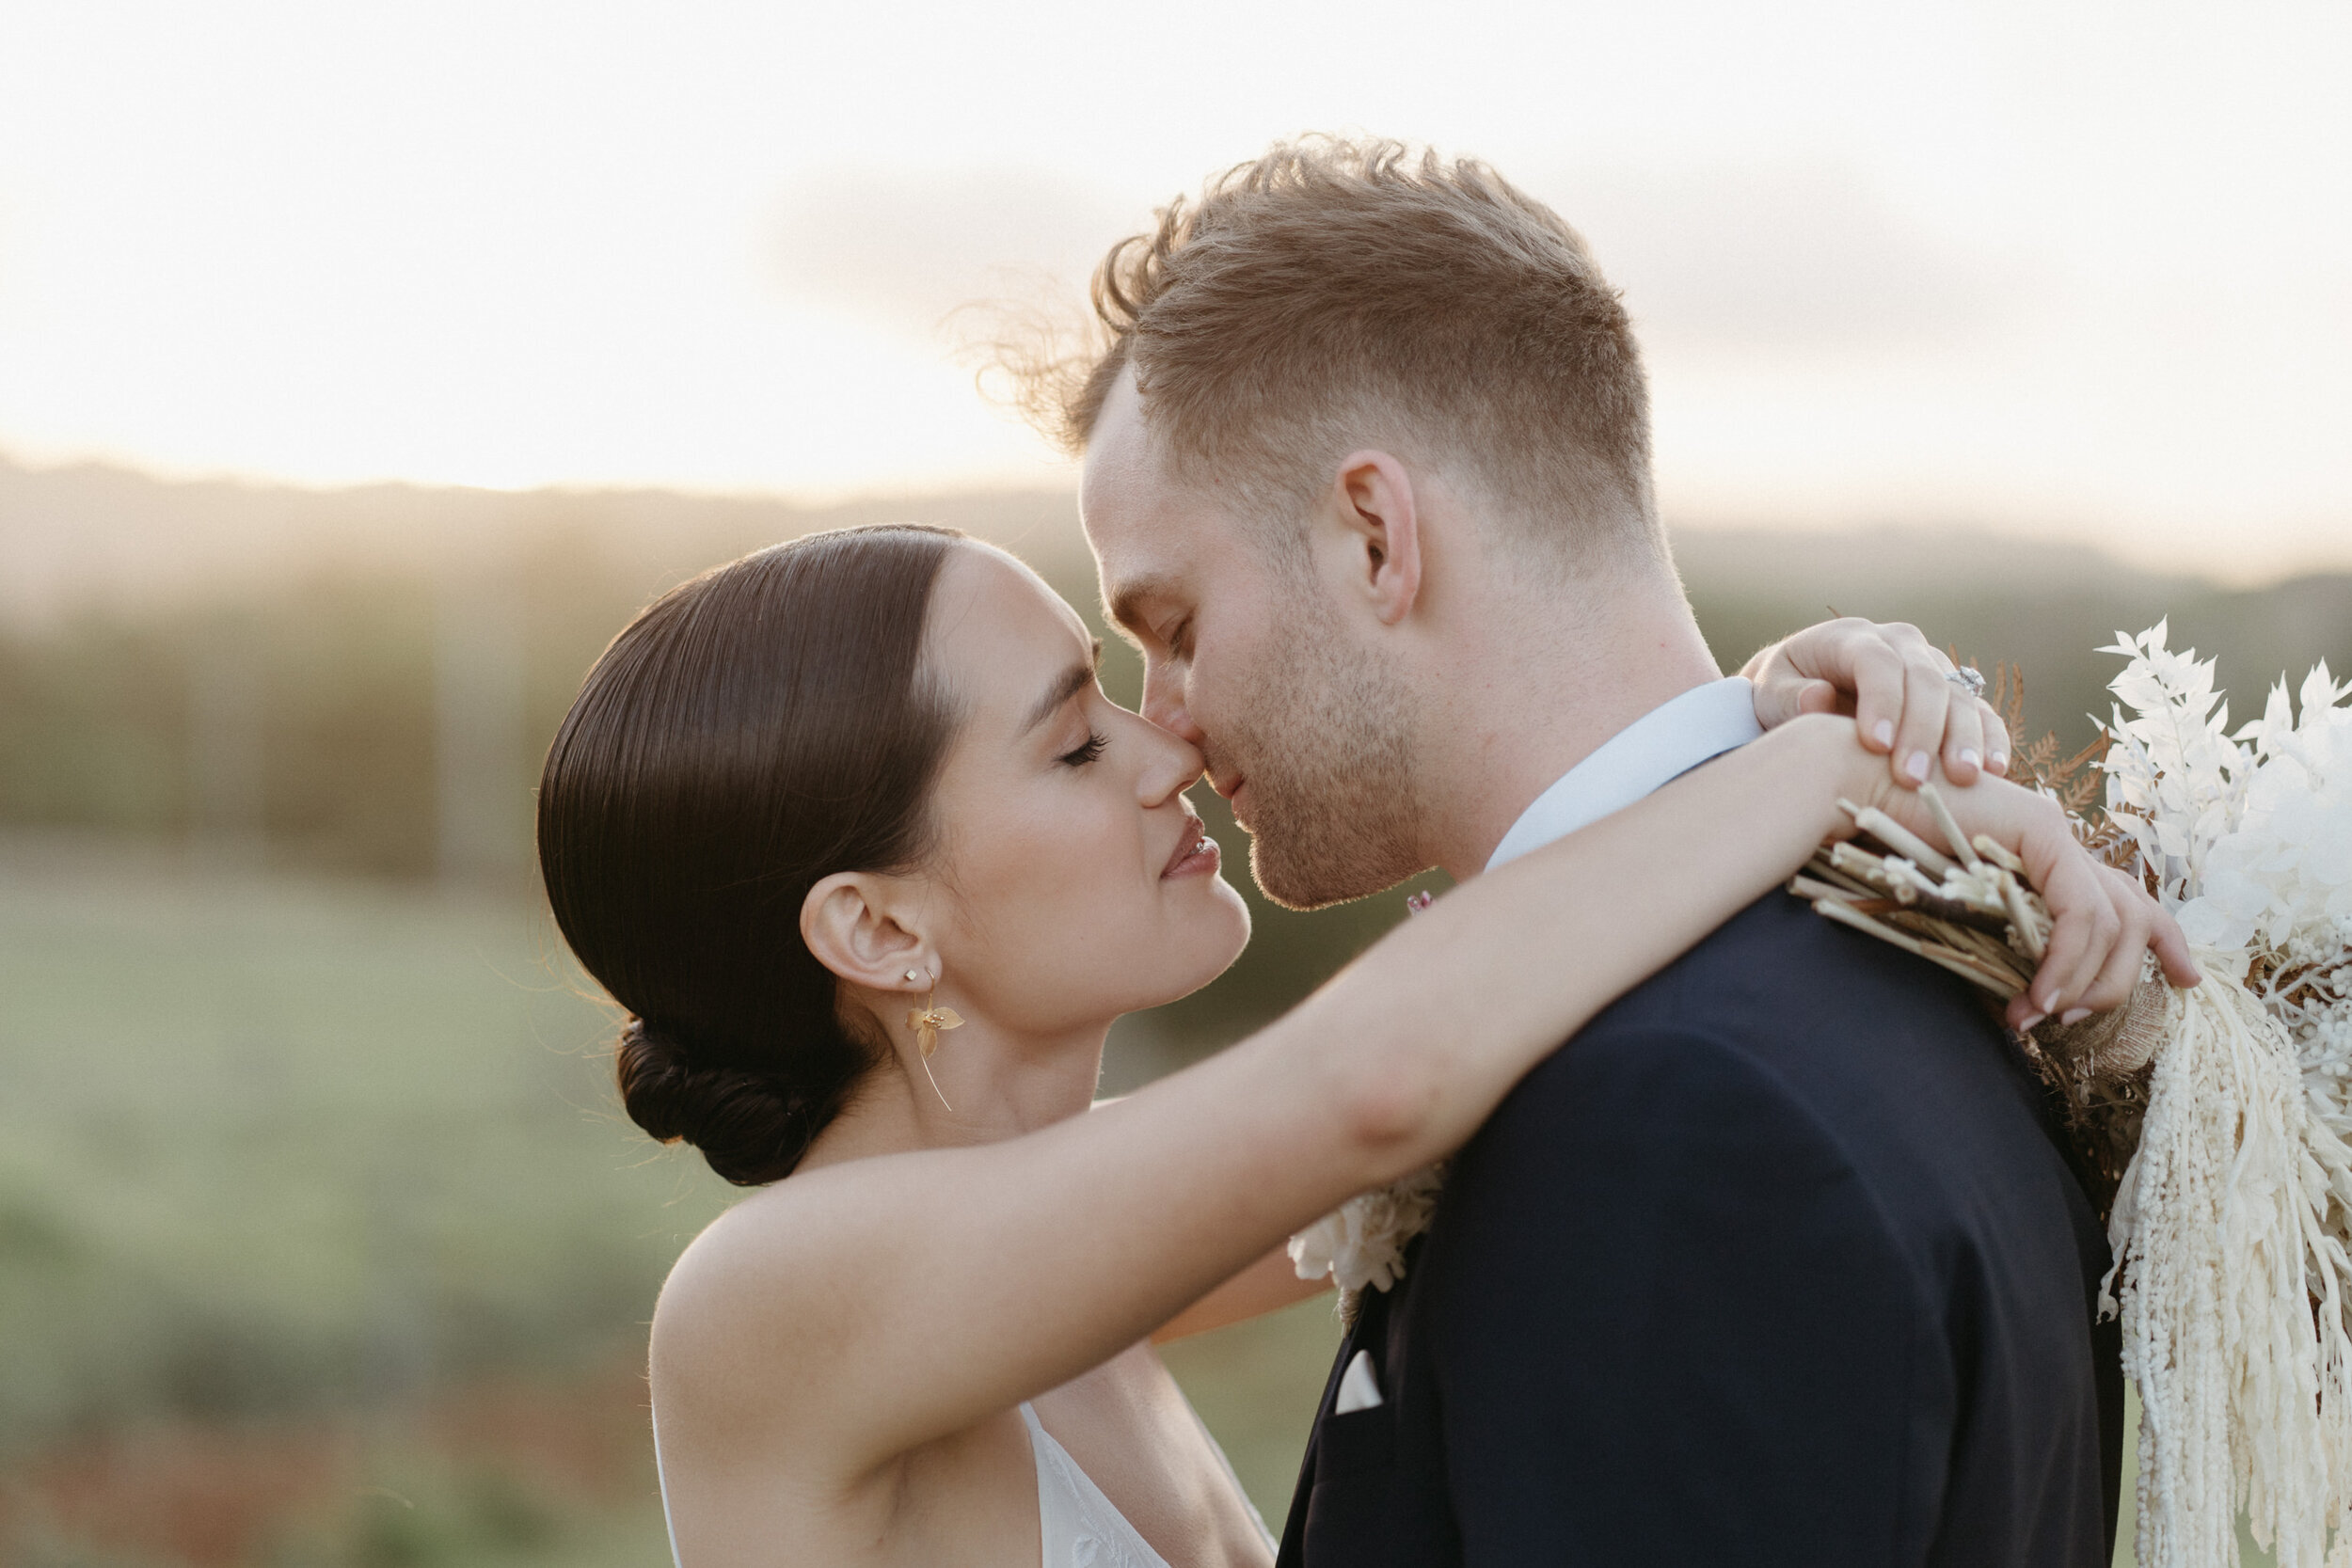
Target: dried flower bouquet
{"x": 2211, "y": 1122}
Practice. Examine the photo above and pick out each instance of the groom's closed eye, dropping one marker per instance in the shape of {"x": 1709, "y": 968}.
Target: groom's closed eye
{"x": 1132, "y": 607}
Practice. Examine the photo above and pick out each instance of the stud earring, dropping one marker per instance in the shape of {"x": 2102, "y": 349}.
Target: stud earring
{"x": 914, "y": 974}
{"x": 927, "y": 1021}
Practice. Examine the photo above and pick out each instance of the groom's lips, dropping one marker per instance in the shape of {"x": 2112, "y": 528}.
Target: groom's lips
{"x": 1229, "y": 786}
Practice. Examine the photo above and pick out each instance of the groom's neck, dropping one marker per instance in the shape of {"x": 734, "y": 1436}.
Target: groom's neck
{"x": 1530, "y": 701}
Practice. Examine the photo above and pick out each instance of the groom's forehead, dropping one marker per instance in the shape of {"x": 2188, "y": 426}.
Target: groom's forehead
{"x": 1148, "y": 551}
{"x": 1129, "y": 488}
{"x": 1155, "y": 537}
{"x": 1141, "y": 567}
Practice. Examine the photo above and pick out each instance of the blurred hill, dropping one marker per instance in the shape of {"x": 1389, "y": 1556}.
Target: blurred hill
{"x": 93, "y": 539}
{"x": 365, "y": 678}
{"x": 363, "y": 681}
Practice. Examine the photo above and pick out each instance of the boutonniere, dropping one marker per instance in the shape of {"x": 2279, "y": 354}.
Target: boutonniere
{"x": 1362, "y": 1242}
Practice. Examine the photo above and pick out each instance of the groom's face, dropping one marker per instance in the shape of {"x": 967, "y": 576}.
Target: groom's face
{"x": 1301, "y": 722}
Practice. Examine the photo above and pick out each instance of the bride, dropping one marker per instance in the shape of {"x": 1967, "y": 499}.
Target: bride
{"x": 850, "y": 831}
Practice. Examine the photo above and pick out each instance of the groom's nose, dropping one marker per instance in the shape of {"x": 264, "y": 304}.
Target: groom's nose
{"x": 1163, "y": 705}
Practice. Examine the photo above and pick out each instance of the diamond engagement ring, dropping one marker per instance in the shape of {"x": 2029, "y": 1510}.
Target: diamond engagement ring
{"x": 1969, "y": 679}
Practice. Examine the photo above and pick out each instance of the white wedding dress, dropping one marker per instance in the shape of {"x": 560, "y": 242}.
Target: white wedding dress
{"x": 1080, "y": 1528}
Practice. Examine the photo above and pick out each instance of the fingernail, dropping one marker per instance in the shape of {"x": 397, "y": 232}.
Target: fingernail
{"x": 2024, "y": 1024}
{"x": 1884, "y": 733}
{"x": 1918, "y": 767}
{"x": 2073, "y": 1016}
{"x": 1968, "y": 757}
{"x": 1997, "y": 762}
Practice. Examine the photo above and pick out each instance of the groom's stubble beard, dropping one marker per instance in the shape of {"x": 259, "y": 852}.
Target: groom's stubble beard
{"x": 1334, "y": 811}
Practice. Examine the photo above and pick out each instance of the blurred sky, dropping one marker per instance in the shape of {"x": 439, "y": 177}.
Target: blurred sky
{"x": 2075, "y": 267}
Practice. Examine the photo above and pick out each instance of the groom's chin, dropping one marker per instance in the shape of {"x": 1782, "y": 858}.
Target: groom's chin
{"x": 1316, "y": 877}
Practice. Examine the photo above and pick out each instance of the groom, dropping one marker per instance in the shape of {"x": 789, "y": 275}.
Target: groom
{"x": 1775, "y": 1263}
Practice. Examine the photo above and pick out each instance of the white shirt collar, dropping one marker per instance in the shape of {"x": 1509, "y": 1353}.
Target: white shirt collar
{"x": 1671, "y": 738}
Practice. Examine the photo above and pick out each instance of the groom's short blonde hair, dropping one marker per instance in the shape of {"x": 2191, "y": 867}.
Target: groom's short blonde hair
{"x": 1337, "y": 290}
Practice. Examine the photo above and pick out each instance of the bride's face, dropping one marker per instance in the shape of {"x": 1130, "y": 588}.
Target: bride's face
{"x": 1074, "y": 882}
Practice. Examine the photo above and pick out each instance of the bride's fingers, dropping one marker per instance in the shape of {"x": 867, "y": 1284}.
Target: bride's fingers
{"x": 1964, "y": 739}
{"x": 2166, "y": 939}
{"x": 2105, "y": 935}
{"x": 1919, "y": 734}
{"x": 1996, "y": 740}
{"x": 1817, "y": 697}
{"x": 2119, "y": 976}
{"x": 1875, "y": 665}
{"x": 2146, "y": 928}
{"x": 2084, "y": 927}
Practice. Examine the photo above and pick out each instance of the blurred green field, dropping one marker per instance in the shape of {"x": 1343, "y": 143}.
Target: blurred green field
{"x": 315, "y": 1187}
{"x": 323, "y": 1243}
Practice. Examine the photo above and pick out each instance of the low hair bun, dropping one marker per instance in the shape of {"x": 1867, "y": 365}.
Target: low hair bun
{"x": 749, "y": 1125}
{"x": 652, "y": 1074}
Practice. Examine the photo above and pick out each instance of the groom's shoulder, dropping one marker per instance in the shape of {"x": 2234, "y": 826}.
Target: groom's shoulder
{"x": 1771, "y": 943}
{"x": 1849, "y": 1044}
{"x": 1778, "y": 980}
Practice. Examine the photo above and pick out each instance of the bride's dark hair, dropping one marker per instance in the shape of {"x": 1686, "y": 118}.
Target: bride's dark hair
{"x": 758, "y": 728}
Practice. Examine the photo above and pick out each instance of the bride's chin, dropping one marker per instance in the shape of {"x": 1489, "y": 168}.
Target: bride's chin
{"x": 1206, "y": 950}
{"x": 1218, "y": 956}
{"x": 1226, "y": 908}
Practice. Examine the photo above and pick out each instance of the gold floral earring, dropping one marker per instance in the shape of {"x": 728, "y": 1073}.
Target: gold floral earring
{"x": 928, "y": 1020}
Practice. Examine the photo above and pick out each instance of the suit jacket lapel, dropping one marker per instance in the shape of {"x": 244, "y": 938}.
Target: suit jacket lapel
{"x": 1370, "y": 1331}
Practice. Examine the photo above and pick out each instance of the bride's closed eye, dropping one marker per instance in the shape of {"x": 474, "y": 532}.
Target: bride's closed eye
{"x": 1091, "y": 751}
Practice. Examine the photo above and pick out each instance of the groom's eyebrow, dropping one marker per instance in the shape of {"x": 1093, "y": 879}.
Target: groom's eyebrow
{"x": 1126, "y": 606}
{"x": 1073, "y": 680}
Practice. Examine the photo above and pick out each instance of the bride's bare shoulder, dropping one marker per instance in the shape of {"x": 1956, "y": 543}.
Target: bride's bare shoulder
{"x": 771, "y": 1281}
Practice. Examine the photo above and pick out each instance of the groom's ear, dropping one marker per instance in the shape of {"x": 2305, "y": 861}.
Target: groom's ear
{"x": 1375, "y": 502}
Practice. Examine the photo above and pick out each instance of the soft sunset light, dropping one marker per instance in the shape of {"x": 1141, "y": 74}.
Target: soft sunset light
{"x": 2070, "y": 268}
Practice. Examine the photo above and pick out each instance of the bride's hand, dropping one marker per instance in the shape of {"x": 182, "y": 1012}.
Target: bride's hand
{"x": 1894, "y": 686}
{"x": 2104, "y": 919}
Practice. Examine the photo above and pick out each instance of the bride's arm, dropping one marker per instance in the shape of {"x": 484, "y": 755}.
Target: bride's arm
{"x": 858, "y": 1310}
{"x": 1265, "y": 1286}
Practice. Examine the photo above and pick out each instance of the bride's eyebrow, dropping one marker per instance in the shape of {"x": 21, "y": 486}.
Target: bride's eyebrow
{"x": 1071, "y": 681}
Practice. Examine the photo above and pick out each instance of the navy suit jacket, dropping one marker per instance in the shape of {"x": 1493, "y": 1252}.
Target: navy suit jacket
{"x": 1777, "y": 1261}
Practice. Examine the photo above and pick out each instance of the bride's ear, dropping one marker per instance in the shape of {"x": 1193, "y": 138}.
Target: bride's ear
{"x": 848, "y": 922}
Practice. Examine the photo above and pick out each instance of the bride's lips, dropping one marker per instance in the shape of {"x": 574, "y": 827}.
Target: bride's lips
{"x": 1195, "y": 853}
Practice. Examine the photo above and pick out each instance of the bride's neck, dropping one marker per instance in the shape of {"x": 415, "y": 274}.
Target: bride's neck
{"x": 990, "y": 1084}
